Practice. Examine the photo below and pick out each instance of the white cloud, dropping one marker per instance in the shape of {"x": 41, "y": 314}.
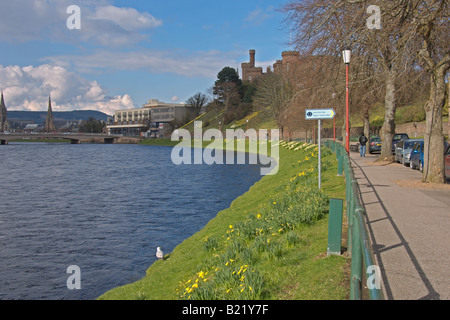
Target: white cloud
{"x": 101, "y": 22}
{"x": 128, "y": 18}
{"x": 259, "y": 15}
{"x": 189, "y": 64}
{"x": 28, "y": 88}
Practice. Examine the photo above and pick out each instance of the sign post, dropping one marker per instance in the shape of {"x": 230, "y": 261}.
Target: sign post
{"x": 319, "y": 114}
{"x": 319, "y": 154}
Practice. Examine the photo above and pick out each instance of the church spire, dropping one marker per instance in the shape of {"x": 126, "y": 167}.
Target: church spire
{"x": 3, "y": 111}
{"x": 49, "y": 126}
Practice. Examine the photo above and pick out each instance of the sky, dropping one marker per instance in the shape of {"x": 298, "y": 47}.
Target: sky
{"x": 127, "y": 52}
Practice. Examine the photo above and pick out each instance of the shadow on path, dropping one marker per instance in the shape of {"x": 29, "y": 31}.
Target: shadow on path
{"x": 378, "y": 249}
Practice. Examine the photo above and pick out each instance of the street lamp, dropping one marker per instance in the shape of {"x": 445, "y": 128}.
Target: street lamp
{"x": 346, "y": 55}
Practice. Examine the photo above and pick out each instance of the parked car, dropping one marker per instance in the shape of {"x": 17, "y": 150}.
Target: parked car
{"x": 374, "y": 144}
{"x": 416, "y": 158}
{"x": 397, "y": 137}
{"x": 447, "y": 162}
{"x": 416, "y": 161}
{"x": 403, "y": 150}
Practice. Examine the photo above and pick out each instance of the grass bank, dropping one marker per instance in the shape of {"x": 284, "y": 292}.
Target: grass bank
{"x": 270, "y": 243}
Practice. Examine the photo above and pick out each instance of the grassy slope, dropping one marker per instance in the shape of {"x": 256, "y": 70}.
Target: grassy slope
{"x": 302, "y": 272}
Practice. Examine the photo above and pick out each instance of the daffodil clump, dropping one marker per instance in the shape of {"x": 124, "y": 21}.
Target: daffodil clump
{"x": 233, "y": 270}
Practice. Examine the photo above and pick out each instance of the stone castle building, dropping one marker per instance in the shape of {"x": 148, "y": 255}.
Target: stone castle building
{"x": 287, "y": 65}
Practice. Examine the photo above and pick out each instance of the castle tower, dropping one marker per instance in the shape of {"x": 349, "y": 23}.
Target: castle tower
{"x": 49, "y": 126}
{"x": 252, "y": 58}
{"x": 291, "y": 60}
{"x": 289, "y": 64}
{"x": 3, "y": 122}
{"x": 249, "y": 71}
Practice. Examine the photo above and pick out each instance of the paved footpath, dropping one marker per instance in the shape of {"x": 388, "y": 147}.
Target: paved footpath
{"x": 409, "y": 227}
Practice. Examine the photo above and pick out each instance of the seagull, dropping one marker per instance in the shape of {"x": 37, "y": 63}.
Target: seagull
{"x": 159, "y": 253}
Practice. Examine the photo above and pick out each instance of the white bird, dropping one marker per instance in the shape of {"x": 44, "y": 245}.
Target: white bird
{"x": 159, "y": 253}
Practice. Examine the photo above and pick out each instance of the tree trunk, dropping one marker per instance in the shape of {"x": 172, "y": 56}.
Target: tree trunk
{"x": 366, "y": 121}
{"x": 388, "y": 129}
{"x": 433, "y": 157}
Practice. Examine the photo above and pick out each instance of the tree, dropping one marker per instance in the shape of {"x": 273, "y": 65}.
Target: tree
{"x": 275, "y": 91}
{"x": 227, "y": 93}
{"x": 228, "y": 74}
{"x": 327, "y": 26}
{"x": 197, "y": 102}
{"x": 432, "y": 23}
{"x": 91, "y": 126}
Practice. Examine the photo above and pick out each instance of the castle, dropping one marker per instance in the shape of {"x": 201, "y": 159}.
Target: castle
{"x": 289, "y": 63}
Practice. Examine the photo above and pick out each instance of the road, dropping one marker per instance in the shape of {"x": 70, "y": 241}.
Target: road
{"x": 409, "y": 225}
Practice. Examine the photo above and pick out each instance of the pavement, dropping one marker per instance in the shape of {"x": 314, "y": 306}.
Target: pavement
{"x": 409, "y": 226}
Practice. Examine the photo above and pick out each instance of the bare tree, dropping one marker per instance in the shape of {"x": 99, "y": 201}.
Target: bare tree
{"x": 327, "y": 26}
{"x": 275, "y": 91}
{"x": 432, "y": 23}
{"x": 197, "y": 102}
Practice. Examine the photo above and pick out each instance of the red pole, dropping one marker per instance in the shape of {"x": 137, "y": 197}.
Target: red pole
{"x": 347, "y": 128}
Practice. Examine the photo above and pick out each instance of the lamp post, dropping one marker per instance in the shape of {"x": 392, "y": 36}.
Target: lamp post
{"x": 346, "y": 54}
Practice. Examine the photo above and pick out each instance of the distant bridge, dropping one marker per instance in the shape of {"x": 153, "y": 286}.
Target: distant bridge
{"x": 75, "y": 138}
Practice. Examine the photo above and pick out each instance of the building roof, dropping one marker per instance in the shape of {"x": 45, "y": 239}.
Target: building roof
{"x": 31, "y": 126}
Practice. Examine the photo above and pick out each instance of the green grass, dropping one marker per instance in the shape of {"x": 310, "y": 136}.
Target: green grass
{"x": 269, "y": 244}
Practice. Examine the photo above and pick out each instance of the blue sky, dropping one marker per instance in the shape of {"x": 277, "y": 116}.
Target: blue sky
{"x": 127, "y": 52}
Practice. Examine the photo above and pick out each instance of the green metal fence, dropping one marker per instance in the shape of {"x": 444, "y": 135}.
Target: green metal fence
{"x": 359, "y": 245}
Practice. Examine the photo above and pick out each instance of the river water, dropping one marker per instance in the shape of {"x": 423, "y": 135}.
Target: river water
{"x": 103, "y": 208}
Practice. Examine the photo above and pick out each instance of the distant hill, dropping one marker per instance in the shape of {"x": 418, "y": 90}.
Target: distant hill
{"x": 40, "y": 116}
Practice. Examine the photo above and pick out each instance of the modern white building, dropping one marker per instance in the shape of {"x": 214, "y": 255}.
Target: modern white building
{"x": 152, "y": 119}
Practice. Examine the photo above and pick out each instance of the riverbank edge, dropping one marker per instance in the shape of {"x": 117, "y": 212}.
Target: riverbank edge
{"x": 139, "y": 290}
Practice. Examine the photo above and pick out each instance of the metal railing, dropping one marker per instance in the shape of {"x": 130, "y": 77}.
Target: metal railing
{"x": 359, "y": 245}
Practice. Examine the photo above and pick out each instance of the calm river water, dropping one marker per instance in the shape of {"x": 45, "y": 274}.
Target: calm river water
{"x": 103, "y": 208}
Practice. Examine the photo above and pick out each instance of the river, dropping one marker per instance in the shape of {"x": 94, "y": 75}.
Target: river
{"x": 103, "y": 208}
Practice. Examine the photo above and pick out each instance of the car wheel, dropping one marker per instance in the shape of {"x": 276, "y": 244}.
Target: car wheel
{"x": 411, "y": 165}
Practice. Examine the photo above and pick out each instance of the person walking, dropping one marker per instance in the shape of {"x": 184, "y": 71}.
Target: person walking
{"x": 362, "y": 145}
